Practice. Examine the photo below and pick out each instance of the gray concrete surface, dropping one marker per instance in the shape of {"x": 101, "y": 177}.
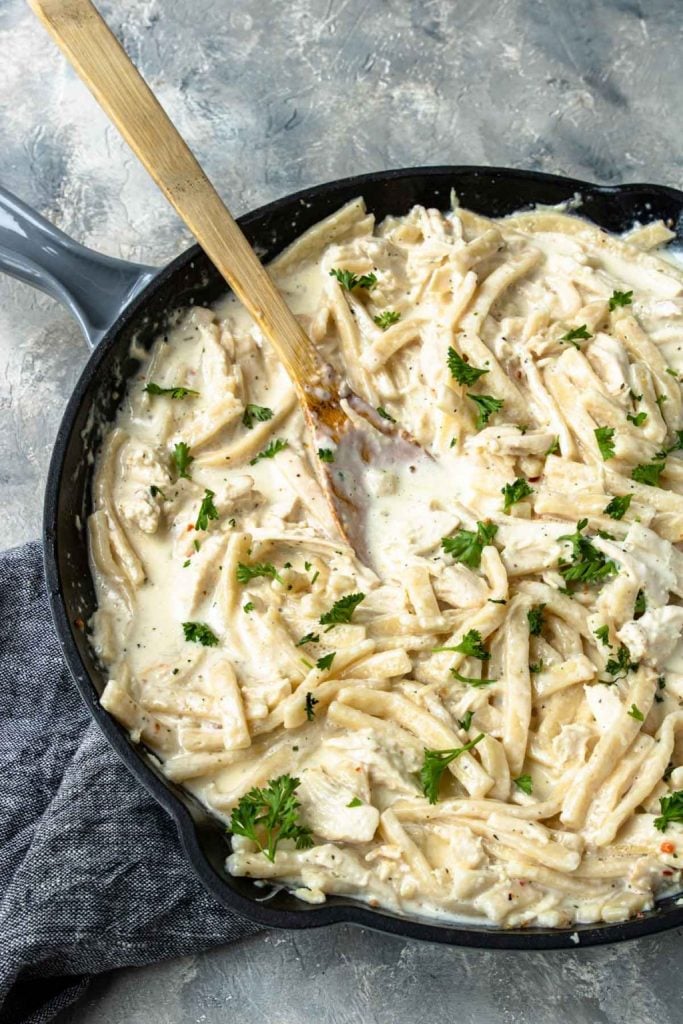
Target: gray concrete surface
{"x": 273, "y": 96}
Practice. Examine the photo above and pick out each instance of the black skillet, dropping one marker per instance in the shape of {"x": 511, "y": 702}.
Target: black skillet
{"x": 116, "y": 302}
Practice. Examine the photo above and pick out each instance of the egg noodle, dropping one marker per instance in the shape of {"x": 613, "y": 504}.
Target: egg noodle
{"x": 489, "y": 726}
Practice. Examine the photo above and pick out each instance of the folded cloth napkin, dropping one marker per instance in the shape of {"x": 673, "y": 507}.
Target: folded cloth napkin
{"x": 92, "y": 876}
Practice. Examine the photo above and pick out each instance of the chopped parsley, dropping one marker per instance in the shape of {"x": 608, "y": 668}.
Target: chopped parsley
{"x": 620, "y": 299}
{"x": 309, "y": 638}
{"x": 588, "y": 565}
{"x": 183, "y": 460}
{"x": 387, "y": 318}
{"x": 618, "y": 507}
{"x": 638, "y": 419}
{"x": 207, "y": 510}
{"x": 602, "y": 634}
{"x": 554, "y": 447}
{"x": 621, "y": 665}
{"x": 675, "y": 447}
{"x": 245, "y": 573}
{"x": 471, "y": 645}
{"x": 605, "y": 438}
{"x": 199, "y": 633}
{"x": 435, "y": 763}
{"x": 515, "y": 492}
{"x": 154, "y": 389}
{"x": 635, "y": 712}
{"x": 348, "y": 280}
{"x": 248, "y": 607}
{"x": 661, "y": 399}
{"x": 466, "y": 721}
{"x": 577, "y": 334}
{"x": 487, "y": 405}
{"x": 384, "y": 414}
{"x": 535, "y": 619}
{"x": 154, "y": 490}
{"x": 640, "y": 606}
{"x": 536, "y": 667}
{"x": 311, "y": 702}
{"x": 648, "y": 473}
{"x": 324, "y": 663}
{"x": 525, "y": 783}
{"x": 670, "y": 810}
{"x": 270, "y": 451}
{"x": 341, "y": 611}
{"x": 471, "y": 680}
{"x": 325, "y": 454}
{"x": 256, "y": 414}
{"x": 461, "y": 370}
{"x": 466, "y": 546}
{"x": 355, "y": 802}
{"x": 270, "y": 814}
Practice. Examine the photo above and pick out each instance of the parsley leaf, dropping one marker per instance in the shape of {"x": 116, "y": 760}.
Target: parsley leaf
{"x": 577, "y": 334}
{"x": 471, "y": 680}
{"x": 199, "y": 633}
{"x": 182, "y": 458}
{"x": 588, "y": 565}
{"x": 256, "y": 414}
{"x": 268, "y": 815}
{"x": 620, "y": 666}
{"x": 620, "y": 299}
{"x": 515, "y": 492}
{"x": 154, "y": 389}
{"x": 618, "y": 507}
{"x": 207, "y": 510}
{"x": 640, "y": 606}
{"x": 602, "y": 634}
{"x": 387, "y": 318}
{"x": 487, "y": 405}
{"x": 605, "y": 438}
{"x": 309, "y": 638}
{"x": 466, "y": 546}
{"x": 326, "y": 661}
{"x": 670, "y": 810}
{"x": 270, "y": 451}
{"x": 251, "y": 572}
{"x": 341, "y": 611}
{"x": 385, "y": 415}
{"x": 248, "y": 607}
{"x": 535, "y": 619}
{"x": 347, "y": 279}
{"x": 471, "y": 645}
{"x": 638, "y": 419}
{"x": 461, "y": 370}
{"x": 525, "y": 783}
{"x": 466, "y": 721}
{"x": 325, "y": 454}
{"x": 435, "y": 763}
{"x": 648, "y": 473}
{"x": 635, "y": 712}
{"x": 311, "y": 701}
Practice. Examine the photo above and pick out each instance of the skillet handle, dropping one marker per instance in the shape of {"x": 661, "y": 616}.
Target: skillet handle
{"x": 95, "y": 288}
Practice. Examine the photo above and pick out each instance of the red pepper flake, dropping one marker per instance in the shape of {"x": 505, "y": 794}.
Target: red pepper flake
{"x": 667, "y": 847}
{"x": 666, "y": 871}
{"x": 190, "y": 526}
{"x": 79, "y": 624}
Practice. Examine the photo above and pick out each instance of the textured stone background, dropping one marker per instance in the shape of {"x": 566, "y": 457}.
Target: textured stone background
{"x": 273, "y": 96}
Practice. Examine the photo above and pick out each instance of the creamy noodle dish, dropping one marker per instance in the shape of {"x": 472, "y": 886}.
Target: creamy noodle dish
{"x": 488, "y": 722}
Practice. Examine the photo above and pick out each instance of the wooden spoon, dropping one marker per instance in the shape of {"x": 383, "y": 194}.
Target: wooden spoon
{"x": 333, "y": 413}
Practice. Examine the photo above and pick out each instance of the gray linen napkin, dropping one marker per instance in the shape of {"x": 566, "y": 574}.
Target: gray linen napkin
{"x": 92, "y": 876}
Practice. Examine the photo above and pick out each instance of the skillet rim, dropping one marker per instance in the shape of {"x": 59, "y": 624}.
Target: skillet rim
{"x": 666, "y": 915}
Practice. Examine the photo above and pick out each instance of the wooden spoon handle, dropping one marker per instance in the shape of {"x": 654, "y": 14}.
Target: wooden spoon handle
{"x": 119, "y": 88}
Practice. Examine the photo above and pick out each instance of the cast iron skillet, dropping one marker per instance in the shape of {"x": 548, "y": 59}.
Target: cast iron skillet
{"x": 115, "y": 302}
